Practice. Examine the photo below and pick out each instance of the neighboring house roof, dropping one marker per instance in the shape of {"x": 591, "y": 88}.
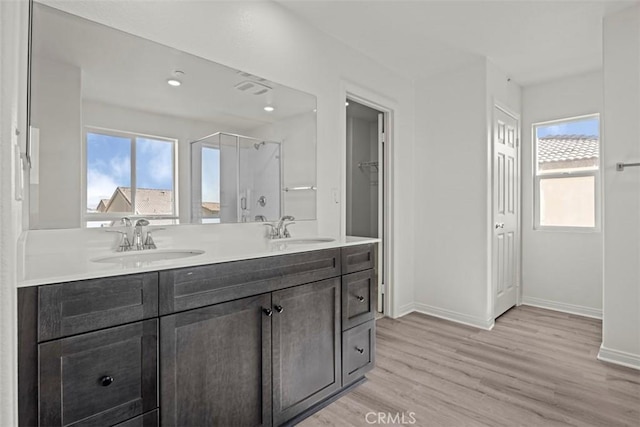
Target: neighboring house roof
{"x": 563, "y": 148}
{"x": 149, "y": 201}
{"x": 211, "y": 207}
{"x": 102, "y": 206}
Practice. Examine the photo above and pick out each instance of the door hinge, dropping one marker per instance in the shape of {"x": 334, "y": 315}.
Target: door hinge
{"x": 383, "y": 288}
{"x": 383, "y": 137}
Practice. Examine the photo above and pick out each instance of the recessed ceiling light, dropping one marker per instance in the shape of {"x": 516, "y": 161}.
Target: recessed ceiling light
{"x": 346, "y": 104}
{"x": 269, "y": 108}
{"x": 174, "y": 82}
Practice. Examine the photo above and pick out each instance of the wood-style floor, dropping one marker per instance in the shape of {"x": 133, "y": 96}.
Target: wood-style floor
{"x": 535, "y": 368}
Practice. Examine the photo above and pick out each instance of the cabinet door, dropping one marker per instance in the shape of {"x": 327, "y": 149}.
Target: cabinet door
{"x": 306, "y": 347}
{"x": 216, "y": 365}
{"x": 100, "y": 378}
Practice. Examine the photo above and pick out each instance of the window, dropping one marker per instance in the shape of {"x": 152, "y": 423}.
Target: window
{"x": 210, "y": 185}
{"x": 567, "y": 173}
{"x": 129, "y": 175}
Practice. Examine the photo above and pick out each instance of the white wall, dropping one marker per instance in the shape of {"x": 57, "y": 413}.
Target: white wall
{"x": 621, "y": 308}
{"x": 451, "y": 169}
{"x": 452, "y": 164}
{"x": 561, "y": 269}
{"x": 297, "y": 135}
{"x": 56, "y": 112}
{"x": 13, "y": 60}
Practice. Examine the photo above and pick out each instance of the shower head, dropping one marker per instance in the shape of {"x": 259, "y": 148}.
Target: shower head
{"x": 258, "y": 144}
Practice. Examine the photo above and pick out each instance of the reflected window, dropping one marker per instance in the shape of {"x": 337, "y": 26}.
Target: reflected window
{"x": 567, "y": 168}
{"x": 129, "y": 174}
{"x": 210, "y": 185}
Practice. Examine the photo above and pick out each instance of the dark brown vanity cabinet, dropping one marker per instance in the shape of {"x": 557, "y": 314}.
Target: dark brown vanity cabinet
{"x": 99, "y": 378}
{"x": 216, "y": 365}
{"x": 258, "y": 342}
{"x": 306, "y": 347}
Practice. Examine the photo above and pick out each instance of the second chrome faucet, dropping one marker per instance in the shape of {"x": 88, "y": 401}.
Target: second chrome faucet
{"x": 279, "y": 230}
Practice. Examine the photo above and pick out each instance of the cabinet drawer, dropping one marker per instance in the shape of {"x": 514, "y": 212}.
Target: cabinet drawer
{"x": 358, "y": 298}
{"x": 357, "y": 258}
{"x": 358, "y": 351}
{"x": 76, "y": 307}
{"x": 99, "y": 378}
{"x": 150, "y": 419}
{"x": 189, "y": 288}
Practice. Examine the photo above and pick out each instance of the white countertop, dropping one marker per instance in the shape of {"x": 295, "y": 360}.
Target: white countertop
{"x": 56, "y": 256}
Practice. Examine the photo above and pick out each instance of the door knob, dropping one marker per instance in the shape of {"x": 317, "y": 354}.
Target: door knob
{"x": 279, "y": 308}
{"x": 499, "y": 225}
{"x": 267, "y": 311}
{"x": 360, "y": 350}
{"x": 360, "y": 298}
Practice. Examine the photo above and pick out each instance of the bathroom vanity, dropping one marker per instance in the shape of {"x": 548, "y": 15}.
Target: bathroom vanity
{"x": 256, "y": 342}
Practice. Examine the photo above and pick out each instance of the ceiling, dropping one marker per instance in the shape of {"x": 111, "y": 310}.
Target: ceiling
{"x": 128, "y": 71}
{"x": 532, "y": 41}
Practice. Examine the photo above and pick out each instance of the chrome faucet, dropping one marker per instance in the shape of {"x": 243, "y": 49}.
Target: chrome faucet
{"x": 133, "y": 238}
{"x": 138, "y": 241}
{"x": 279, "y": 229}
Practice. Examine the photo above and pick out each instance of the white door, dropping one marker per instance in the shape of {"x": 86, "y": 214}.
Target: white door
{"x": 506, "y": 185}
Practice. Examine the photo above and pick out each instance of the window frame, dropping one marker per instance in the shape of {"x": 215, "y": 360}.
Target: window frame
{"x": 595, "y": 172}
{"x": 88, "y": 217}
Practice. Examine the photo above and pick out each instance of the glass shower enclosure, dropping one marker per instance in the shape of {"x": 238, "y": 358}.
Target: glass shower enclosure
{"x": 235, "y": 178}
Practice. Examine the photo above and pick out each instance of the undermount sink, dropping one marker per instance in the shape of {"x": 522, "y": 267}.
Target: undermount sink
{"x": 304, "y": 240}
{"x": 139, "y": 257}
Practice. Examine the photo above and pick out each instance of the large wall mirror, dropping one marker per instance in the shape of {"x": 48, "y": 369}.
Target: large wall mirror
{"x": 124, "y": 126}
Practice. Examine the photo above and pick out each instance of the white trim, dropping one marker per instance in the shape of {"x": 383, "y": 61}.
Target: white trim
{"x": 618, "y": 357}
{"x": 454, "y": 316}
{"x": 405, "y": 309}
{"x": 564, "y": 307}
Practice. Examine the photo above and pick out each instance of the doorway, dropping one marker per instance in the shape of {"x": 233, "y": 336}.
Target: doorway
{"x": 365, "y": 180}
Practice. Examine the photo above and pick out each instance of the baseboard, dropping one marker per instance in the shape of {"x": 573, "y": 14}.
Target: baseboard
{"x": 454, "y": 316}
{"x": 618, "y": 357}
{"x": 563, "y": 307}
{"x": 404, "y": 310}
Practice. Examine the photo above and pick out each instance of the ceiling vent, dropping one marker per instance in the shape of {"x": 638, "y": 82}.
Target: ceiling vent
{"x": 253, "y": 88}
{"x": 252, "y": 77}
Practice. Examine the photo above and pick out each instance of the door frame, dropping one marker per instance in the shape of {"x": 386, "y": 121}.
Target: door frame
{"x": 389, "y": 108}
{"x": 496, "y": 104}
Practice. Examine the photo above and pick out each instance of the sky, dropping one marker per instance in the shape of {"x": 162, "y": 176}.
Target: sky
{"x": 109, "y": 165}
{"x": 590, "y": 126}
{"x": 210, "y": 174}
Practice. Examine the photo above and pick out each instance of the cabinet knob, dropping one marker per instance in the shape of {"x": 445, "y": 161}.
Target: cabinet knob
{"x": 279, "y": 308}
{"x": 106, "y": 381}
{"x": 360, "y": 298}
{"x": 267, "y": 311}
{"x": 360, "y": 350}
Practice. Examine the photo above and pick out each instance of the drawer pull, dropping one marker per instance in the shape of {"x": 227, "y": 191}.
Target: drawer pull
{"x": 106, "y": 381}
{"x": 360, "y": 350}
{"x": 268, "y": 311}
{"x": 279, "y": 308}
{"x": 360, "y": 298}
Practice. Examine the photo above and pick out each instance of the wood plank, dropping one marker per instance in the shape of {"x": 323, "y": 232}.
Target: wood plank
{"x": 536, "y": 368}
